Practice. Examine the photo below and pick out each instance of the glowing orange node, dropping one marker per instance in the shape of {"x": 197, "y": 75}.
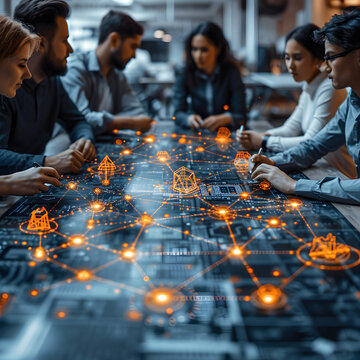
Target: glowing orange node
{"x": 150, "y": 139}
{"x": 199, "y": 149}
{"x": 126, "y": 152}
{"x": 71, "y": 186}
{"x": 276, "y": 273}
{"x": 244, "y": 195}
{"x": 128, "y": 254}
{"x": 146, "y": 220}
{"x": 235, "y": 251}
{"x": 77, "y": 240}
{"x": 106, "y": 182}
{"x": 269, "y": 297}
{"x": 127, "y": 197}
{"x": 265, "y": 185}
{"x": 295, "y": 203}
{"x": 61, "y": 314}
{"x": 97, "y": 206}
{"x": 274, "y": 222}
{"x": 34, "y": 293}
{"x": 84, "y": 275}
{"x": 97, "y": 191}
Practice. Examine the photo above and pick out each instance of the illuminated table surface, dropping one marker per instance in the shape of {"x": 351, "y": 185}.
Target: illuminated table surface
{"x": 164, "y": 248}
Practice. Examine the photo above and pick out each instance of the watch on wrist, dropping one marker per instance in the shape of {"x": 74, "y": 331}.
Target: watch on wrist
{"x": 264, "y": 142}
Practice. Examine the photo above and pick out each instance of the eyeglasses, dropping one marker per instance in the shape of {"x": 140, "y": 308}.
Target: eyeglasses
{"x": 333, "y": 57}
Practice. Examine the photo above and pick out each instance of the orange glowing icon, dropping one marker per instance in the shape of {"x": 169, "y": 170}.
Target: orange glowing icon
{"x": 200, "y": 149}
{"x": 126, "y": 152}
{"x": 269, "y": 297}
{"x": 184, "y": 181}
{"x": 222, "y": 213}
{"x": 327, "y": 248}
{"x": 235, "y": 251}
{"x": 244, "y": 195}
{"x": 39, "y": 254}
{"x": 39, "y": 220}
{"x": 265, "y": 185}
{"x": 163, "y": 299}
{"x": 106, "y": 167}
{"x": 241, "y": 160}
{"x": 163, "y": 156}
{"x": 223, "y": 134}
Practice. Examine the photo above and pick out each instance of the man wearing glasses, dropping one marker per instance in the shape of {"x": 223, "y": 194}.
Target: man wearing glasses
{"x": 342, "y": 56}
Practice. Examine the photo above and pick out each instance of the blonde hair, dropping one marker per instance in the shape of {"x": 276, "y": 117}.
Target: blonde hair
{"x": 13, "y": 35}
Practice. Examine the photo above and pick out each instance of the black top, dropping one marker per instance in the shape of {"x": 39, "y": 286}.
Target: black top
{"x": 193, "y": 95}
{"x": 27, "y": 122}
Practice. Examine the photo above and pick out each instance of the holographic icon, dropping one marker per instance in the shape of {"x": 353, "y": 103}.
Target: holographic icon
{"x": 39, "y": 220}
{"x": 241, "y": 160}
{"x": 163, "y": 156}
{"x": 269, "y": 297}
{"x": 106, "y": 167}
{"x": 265, "y": 185}
{"x": 223, "y": 138}
{"x": 326, "y": 248}
{"x": 184, "y": 181}
{"x": 223, "y": 134}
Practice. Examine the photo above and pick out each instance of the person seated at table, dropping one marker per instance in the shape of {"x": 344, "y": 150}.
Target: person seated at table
{"x": 317, "y": 104}
{"x": 16, "y": 46}
{"x": 209, "y": 92}
{"x": 341, "y": 36}
{"x": 27, "y": 120}
{"x": 96, "y": 83}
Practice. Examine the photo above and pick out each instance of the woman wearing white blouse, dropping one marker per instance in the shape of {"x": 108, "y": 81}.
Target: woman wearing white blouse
{"x": 317, "y": 104}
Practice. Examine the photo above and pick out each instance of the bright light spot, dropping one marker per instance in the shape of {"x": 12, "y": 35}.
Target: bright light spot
{"x": 244, "y": 195}
{"x": 71, "y": 186}
{"x": 83, "y": 275}
{"x": 39, "y": 253}
{"x": 127, "y": 152}
{"x": 236, "y": 251}
{"x": 129, "y": 254}
{"x": 158, "y": 34}
{"x": 162, "y": 298}
{"x": 150, "y": 139}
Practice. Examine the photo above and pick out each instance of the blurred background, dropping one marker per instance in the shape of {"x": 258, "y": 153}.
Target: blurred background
{"x": 255, "y": 30}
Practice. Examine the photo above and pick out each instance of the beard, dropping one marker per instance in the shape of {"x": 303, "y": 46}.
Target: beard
{"x": 52, "y": 67}
{"x": 115, "y": 61}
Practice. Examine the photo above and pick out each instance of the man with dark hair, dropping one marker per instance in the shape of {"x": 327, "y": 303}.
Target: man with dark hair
{"x": 342, "y": 56}
{"x": 27, "y": 120}
{"x": 96, "y": 83}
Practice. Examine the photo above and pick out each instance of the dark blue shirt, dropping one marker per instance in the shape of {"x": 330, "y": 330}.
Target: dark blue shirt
{"x": 222, "y": 92}
{"x": 27, "y": 122}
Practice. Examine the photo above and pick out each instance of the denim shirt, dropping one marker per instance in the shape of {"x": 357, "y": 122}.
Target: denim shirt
{"x": 343, "y": 128}
{"x": 84, "y": 83}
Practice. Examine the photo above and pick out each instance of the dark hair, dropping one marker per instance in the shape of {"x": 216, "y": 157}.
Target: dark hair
{"x": 213, "y": 33}
{"x": 304, "y": 36}
{"x": 121, "y": 23}
{"x": 40, "y": 15}
{"x": 342, "y": 30}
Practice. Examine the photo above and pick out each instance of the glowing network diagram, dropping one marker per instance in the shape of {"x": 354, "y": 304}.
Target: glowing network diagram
{"x": 324, "y": 252}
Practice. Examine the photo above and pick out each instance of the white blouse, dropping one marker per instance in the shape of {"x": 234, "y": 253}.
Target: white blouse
{"x": 317, "y": 104}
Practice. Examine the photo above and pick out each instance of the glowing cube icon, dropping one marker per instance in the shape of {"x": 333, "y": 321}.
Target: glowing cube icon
{"x": 241, "y": 160}
{"x": 184, "y": 181}
{"x": 39, "y": 220}
{"x": 326, "y": 248}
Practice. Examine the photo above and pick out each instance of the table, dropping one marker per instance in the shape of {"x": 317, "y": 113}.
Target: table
{"x": 164, "y": 248}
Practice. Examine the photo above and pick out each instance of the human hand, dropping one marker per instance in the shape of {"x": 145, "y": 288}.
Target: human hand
{"x": 31, "y": 181}
{"x": 257, "y": 160}
{"x": 85, "y": 147}
{"x": 67, "y": 161}
{"x": 249, "y": 139}
{"x": 278, "y": 179}
{"x": 213, "y": 122}
{"x": 195, "y": 121}
{"x": 141, "y": 123}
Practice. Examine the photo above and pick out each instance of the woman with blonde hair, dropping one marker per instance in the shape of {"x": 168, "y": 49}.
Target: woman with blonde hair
{"x": 16, "y": 46}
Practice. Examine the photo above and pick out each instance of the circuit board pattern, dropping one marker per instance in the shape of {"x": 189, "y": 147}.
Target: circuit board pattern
{"x": 141, "y": 259}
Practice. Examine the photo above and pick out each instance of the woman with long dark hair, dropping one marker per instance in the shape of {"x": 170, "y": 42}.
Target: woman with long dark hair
{"x": 209, "y": 92}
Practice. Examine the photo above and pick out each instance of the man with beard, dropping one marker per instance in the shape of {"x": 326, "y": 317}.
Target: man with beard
{"x": 96, "y": 83}
{"x": 27, "y": 120}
